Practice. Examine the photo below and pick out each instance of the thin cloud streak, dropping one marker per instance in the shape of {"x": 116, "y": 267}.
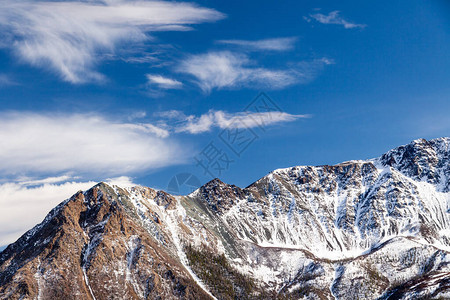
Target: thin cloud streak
{"x": 274, "y": 44}
{"x": 48, "y": 180}
{"x": 70, "y": 36}
{"x": 334, "y": 18}
{"x": 163, "y": 82}
{"x": 220, "y": 119}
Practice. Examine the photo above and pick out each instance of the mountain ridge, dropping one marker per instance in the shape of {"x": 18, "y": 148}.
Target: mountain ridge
{"x": 376, "y": 228}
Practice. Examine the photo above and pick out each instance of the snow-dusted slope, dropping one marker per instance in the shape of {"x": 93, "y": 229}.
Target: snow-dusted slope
{"x": 339, "y": 210}
{"x": 340, "y": 213}
{"x": 369, "y": 229}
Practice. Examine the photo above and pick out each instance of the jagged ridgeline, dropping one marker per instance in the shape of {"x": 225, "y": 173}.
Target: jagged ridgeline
{"x": 373, "y": 229}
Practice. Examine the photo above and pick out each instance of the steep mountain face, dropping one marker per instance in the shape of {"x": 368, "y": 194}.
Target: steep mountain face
{"x": 357, "y": 230}
{"x": 345, "y": 208}
{"x": 96, "y": 246}
{"x": 422, "y": 160}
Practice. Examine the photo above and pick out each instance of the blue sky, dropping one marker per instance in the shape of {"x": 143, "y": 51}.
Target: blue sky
{"x": 136, "y": 91}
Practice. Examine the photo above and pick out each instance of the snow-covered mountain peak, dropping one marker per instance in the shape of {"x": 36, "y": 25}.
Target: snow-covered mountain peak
{"x": 351, "y": 206}
{"x": 422, "y": 160}
{"x": 218, "y": 195}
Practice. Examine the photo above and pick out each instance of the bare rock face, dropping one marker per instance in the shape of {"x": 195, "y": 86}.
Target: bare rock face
{"x": 94, "y": 246}
{"x": 374, "y": 229}
{"x": 220, "y": 196}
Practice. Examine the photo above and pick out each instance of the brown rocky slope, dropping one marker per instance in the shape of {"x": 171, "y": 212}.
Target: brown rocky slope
{"x": 93, "y": 246}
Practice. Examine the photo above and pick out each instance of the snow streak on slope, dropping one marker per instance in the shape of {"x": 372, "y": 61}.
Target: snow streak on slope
{"x": 170, "y": 219}
{"x": 86, "y": 280}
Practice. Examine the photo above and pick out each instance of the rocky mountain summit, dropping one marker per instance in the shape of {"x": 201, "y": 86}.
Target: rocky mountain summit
{"x": 372, "y": 229}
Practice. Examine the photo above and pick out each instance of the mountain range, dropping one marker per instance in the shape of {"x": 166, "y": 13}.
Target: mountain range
{"x": 363, "y": 229}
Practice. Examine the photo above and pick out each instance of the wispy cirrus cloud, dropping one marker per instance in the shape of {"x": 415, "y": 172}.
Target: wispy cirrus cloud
{"x": 274, "y": 44}
{"x": 70, "y": 36}
{"x": 48, "y": 180}
{"x": 220, "y": 119}
{"x": 84, "y": 144}
{"x": 148, "y": 128}
{"x": 225, "y": 69}
{"x": 334, "y": 18}
{"x": 163, "y": 82}
{"x": 139, "y": 114}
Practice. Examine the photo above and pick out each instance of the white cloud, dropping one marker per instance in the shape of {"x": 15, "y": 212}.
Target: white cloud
{"x": 71, "y": 36}
{"x": 159, "y": 131}
{"x": 233, "y": 70}
{"x": 220, "y": 119}
{"x": 48, "y": 180}
{"x": 122, "y": 181}
{"x": 86, "y": 144}
{"x": 22, "y": 207}
{"x": 275, "y": 44}
{"x": 334, "y": 18}
{"x": 163, "y": 82}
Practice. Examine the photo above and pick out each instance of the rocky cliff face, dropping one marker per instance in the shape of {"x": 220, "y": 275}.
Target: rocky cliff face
{"x": 97, "y": 245}
{"x": 358, "y": 230}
